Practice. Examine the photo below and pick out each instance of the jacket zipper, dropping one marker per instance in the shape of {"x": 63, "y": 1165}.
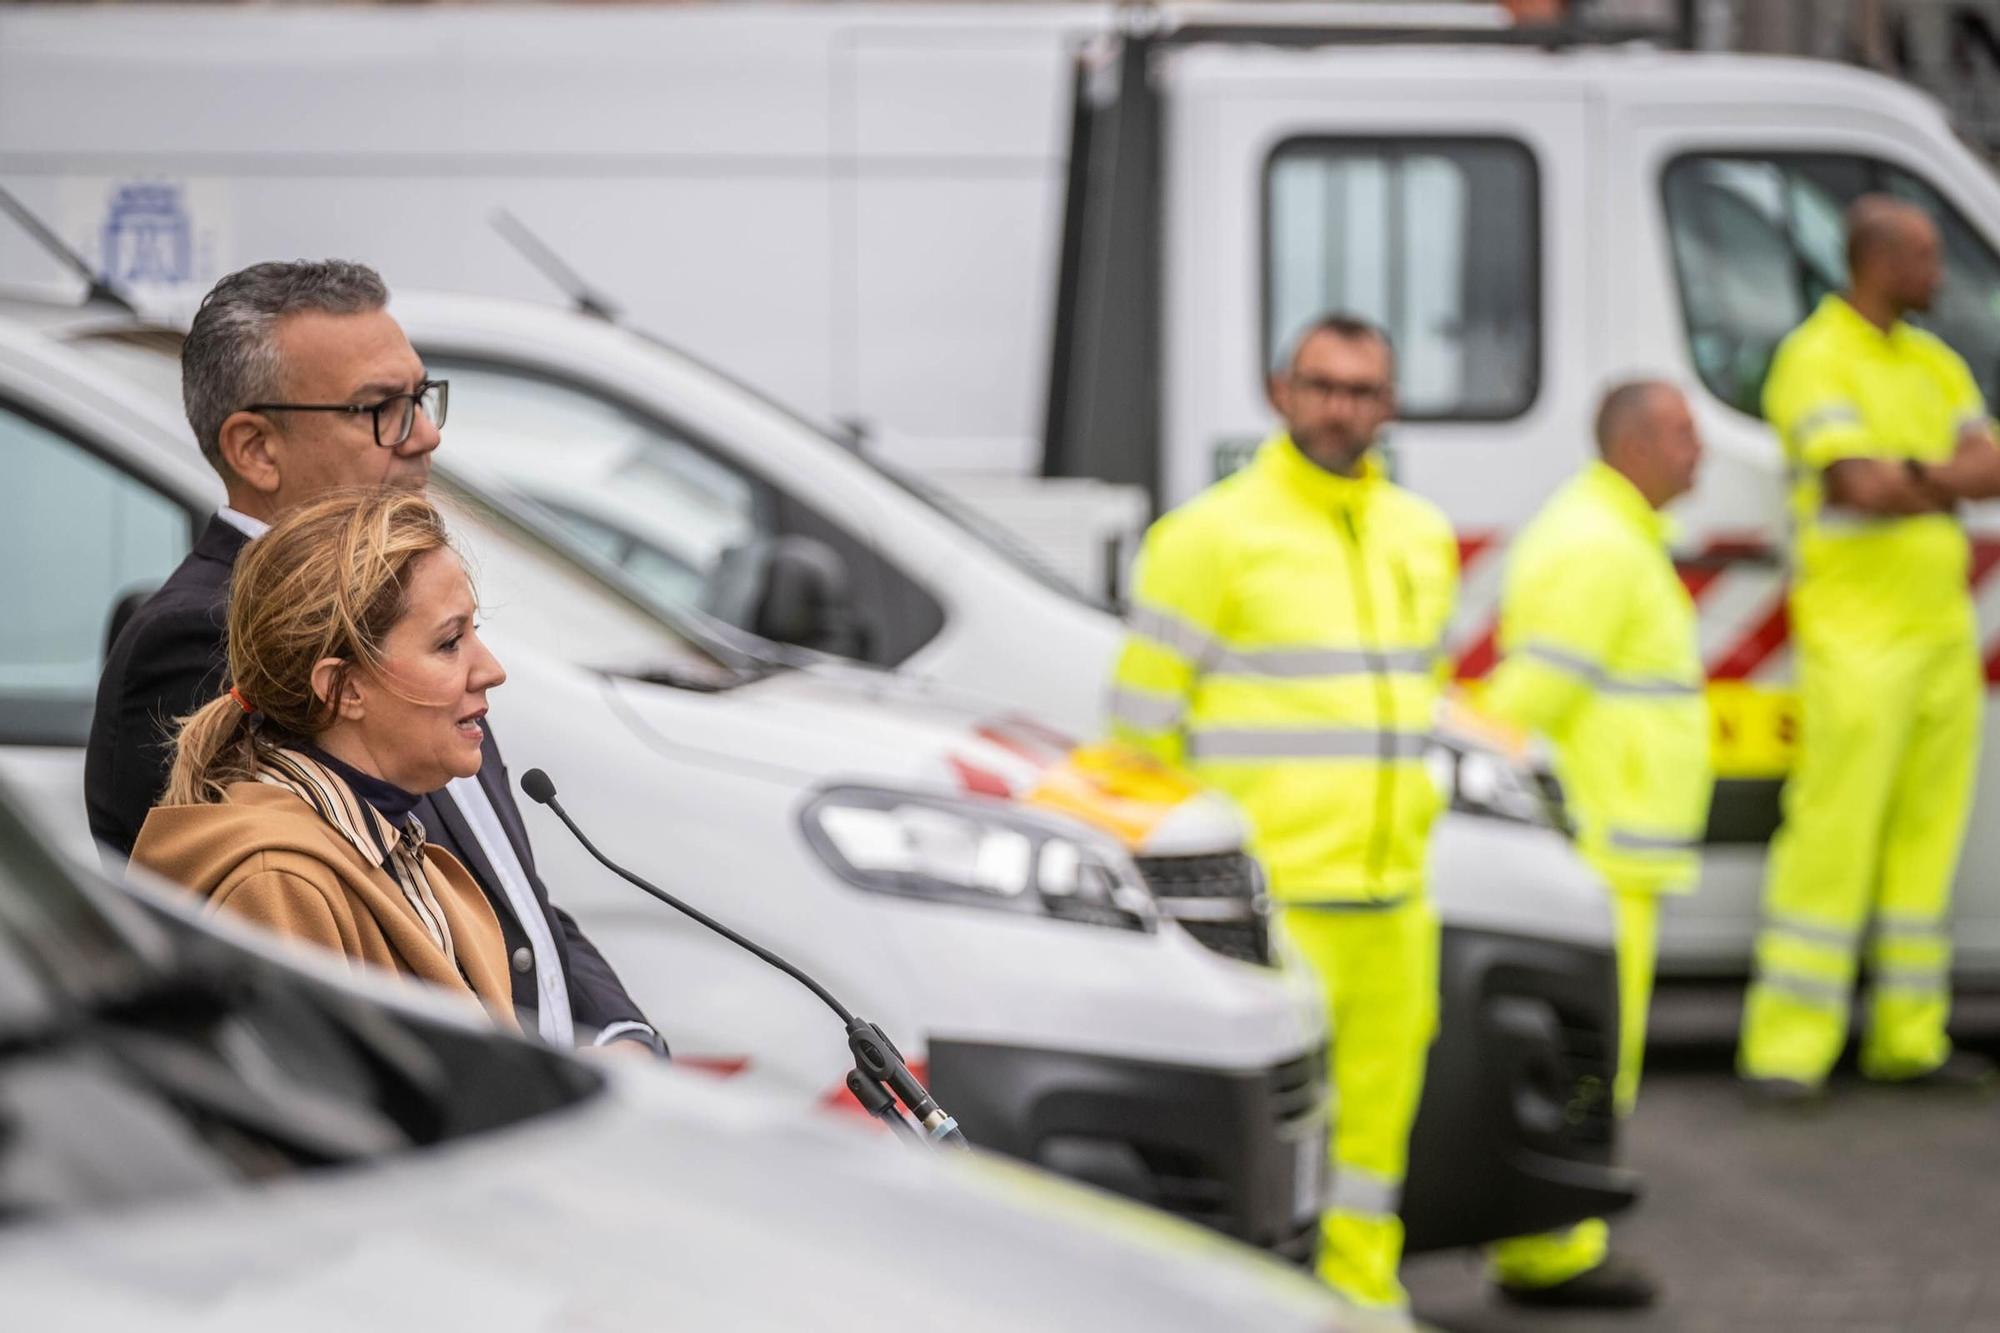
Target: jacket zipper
{"x": 1378, "y": 669}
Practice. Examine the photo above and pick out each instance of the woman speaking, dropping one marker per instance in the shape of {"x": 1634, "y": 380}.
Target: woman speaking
{"x": 359, "y": 682}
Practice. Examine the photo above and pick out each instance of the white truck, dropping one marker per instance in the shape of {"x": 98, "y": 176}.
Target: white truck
{"x": 1069, "y": 240}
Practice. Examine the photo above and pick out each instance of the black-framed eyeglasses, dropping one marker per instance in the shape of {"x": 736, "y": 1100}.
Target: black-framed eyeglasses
{"x": 394, "y": 417}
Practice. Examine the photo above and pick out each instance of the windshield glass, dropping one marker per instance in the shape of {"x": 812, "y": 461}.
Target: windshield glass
{"x": 991, "y": 535}
{"x": 532, "y": 576}
{"x": 651, "y": 498}
{"x": 996, "y": 537}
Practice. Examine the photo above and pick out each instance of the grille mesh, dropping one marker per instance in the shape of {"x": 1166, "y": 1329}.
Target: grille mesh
{"x": 1218, "y": 898}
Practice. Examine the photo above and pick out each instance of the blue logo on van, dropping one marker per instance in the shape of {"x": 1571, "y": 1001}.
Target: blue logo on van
{"x": 148, "y": 236}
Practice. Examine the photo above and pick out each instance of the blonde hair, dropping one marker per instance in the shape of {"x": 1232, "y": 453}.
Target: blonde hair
{"x": 331, "y": 579}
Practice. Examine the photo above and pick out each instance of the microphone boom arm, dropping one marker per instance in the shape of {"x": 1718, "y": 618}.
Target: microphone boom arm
{"x": 880, "y": 1080}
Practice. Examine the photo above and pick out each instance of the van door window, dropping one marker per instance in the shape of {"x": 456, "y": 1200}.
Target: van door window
{"x": 683, "y": 521}
{"x": 76, "y": 536}
{"x": 1436, "y": 240}
{"x": 1758, "y": 239}
{"x": 651, "y": 502}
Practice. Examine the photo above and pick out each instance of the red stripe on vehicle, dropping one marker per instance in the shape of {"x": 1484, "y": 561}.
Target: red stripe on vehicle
{"x": 1481, "y": 657}
{"x": 1985, "y": 559}
{"x": 1472, "y": 545}
{"x": 1753, "y": 648}
{"x": 978, "y": 781}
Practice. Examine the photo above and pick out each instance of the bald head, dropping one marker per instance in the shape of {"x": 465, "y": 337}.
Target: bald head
{"x": 1646, "y": 432}
{"x": 1892, "y": 256}
{"x": 1627, "y": 410}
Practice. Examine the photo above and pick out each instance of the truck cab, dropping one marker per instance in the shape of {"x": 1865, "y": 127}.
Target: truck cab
{"x": 1530, "y": 224}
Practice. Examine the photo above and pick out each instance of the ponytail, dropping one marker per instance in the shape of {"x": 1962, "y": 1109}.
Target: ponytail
{"x": 213, "y": 748}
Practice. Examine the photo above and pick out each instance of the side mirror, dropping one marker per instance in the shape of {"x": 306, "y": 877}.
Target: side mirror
{"x": 791, "y": 589}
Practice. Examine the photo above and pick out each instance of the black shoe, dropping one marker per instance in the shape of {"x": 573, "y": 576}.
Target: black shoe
{"x": 1782, "y": 1094}
{"x": 1962, "y": 1071}
{"x": 1615, "y": 1284}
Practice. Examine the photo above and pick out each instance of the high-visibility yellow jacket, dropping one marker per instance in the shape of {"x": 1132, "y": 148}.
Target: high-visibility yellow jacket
{"x": 1601, "y": 656}
{"x": 1841, "y": 388}
{"x": 1284, "y": 646}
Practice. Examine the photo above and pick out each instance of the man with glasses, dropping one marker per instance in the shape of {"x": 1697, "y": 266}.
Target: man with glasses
{"x": 1283, "y": 645}
{"x": 297, "y": 382}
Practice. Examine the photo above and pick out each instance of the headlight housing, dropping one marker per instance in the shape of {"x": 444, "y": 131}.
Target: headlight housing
{"x": 1481, "y": 781}
{"x": 976, "y": 853}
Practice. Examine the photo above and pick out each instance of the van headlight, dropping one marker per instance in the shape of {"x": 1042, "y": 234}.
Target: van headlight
{"x": 1481, "y": 782}
{"x": 978, "y": 853}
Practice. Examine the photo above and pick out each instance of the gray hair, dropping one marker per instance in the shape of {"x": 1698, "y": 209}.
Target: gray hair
{"x": 1342, "y": 324}
{"x": 230, "y": 357}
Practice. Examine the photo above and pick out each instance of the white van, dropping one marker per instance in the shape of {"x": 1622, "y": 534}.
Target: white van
{"x": 1518, "y": 1133}
{"x": 1010, "y": 945}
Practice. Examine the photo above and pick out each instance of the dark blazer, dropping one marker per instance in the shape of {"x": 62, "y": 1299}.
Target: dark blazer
{"x": 169, "y": 659}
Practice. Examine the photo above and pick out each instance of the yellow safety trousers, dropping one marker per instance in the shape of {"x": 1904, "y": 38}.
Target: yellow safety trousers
{"x": 1557, "y": 1256}
{"x": 1378, "y": 967}
{"x": 1875, "y": 812}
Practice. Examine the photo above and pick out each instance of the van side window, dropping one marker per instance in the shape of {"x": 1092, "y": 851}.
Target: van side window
{"x": 684, "y": 521}
{"x": 634, "y": 493}
{"x": 1758, "y": 240}
{"x": 1437, "y": 240}
{"x": 76, "y": 536}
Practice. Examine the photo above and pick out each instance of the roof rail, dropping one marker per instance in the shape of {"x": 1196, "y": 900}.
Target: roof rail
{"x": 1315, "y": 25}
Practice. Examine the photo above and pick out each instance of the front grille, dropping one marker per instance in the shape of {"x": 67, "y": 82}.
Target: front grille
{"x": 1590, "y": 1062}
{"x": 1298, "y": 1087}
{"x": 1219, "y": 899}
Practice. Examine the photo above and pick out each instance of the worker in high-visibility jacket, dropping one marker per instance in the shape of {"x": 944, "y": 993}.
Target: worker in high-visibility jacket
{"x": 1284, "y": 646}
{"x": 1886, "y": 432}
{"x": 1601, "y": 658}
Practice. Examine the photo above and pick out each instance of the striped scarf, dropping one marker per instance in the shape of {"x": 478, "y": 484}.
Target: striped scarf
{"x": 398, "y": 851}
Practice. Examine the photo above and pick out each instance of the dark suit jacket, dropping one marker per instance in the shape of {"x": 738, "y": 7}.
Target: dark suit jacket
{"x": 169, "y": 659}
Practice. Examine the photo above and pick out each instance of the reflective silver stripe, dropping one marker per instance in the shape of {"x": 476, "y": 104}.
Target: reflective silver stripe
{"x": 1353, "y": 1190}
{"x": 1306, "y": 743}
{"x": 1915, "y": 930}
{"x": 1848, "y": 520}
{"x": 1601, "y": 680}
{"x": 1298, "y": 663}
{"x": 1145, "y": 711}
{"x": 1812, "y": 932}
{"x": 1813, "y": 990}
{"x": 1207, "y": 909}
{"x": 1625, "y": 840}
{"x": 1926, "y": 980}
{"x": 1833, "y": 414}
{"x": 1343, "y": 904}
{"x": 1170, "y": 630}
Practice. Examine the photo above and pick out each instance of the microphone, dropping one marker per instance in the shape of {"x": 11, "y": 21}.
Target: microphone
{"x": 879, "y": 1079}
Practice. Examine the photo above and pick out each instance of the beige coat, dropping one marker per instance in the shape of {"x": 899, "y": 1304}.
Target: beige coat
{"x": 265, "y": 855}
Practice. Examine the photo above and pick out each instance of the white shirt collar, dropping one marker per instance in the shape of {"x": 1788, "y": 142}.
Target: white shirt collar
{"x": 253, "y": 528}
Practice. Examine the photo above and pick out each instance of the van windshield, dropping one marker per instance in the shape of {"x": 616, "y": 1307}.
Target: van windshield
{"x": 529, "y": 568}
{"x": 655, "y": 499}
